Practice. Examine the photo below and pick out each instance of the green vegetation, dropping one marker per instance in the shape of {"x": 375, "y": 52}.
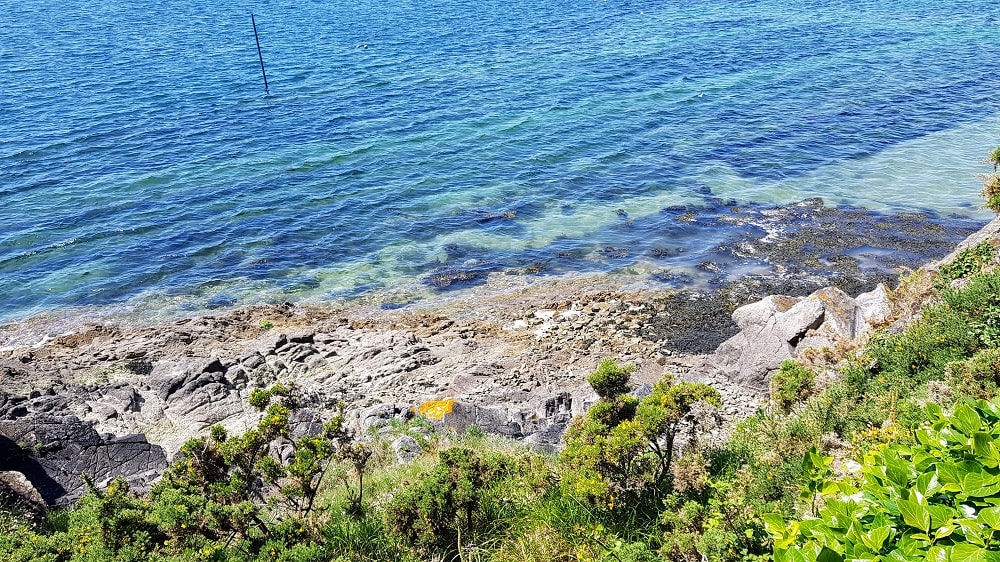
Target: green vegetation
{"x": 967, "y": 262}
{"x": 897, "y": 460}
{"x": 935, "y": 498}
{"x": 623, "y": 447}
{"x": 791, "y": 384}
{"x": 991, "y": 182}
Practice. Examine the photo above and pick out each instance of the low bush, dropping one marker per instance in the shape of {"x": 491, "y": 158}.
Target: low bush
{"x": 791, "y": 384}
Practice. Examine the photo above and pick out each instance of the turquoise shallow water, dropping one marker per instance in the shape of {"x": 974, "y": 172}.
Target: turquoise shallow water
{"x": 143, "y": 166}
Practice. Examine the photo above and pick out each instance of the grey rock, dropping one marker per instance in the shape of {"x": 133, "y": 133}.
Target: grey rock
{"x": 839, "y": 312}
{"x": 52, "y": 451}
{"x": 641, "y": 391}
{"x": 377, "y": 416}
{"x": 196, "y": 392}
{"x": 491, "y": 419}
{"x": 760, "y": 312}
{"x": 407, "y": 449}
{"x": 772, "y": 331}
{"x": 18, "y": 493}
{"x": 548, "y": 438}
{"x": 791, "y": 326}
{"x": 873, "y": 308}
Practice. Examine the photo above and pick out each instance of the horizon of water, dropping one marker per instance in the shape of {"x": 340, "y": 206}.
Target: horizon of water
{"x": 143, "y": 167}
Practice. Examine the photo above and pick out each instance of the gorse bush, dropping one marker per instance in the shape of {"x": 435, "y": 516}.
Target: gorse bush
{"x": 610, "y": 379}
{"x": 791, "y": 384}
{"x": 433, "y": 513}
{"x": 623, "y": 447}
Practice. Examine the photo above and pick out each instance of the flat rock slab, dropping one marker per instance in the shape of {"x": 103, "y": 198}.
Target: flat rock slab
{"x": 54, "y": 452}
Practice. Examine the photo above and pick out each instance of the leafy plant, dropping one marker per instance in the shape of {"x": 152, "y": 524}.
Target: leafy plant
{"x": 969, "y": 261}
{"x": 991, "y": 182}
{"x": 434, "y": 513}
{"x": 610, "y": 379}
{"x": 978, "y": 377}
{"x": 994, "y": 158}
{"x": 935, "y": 499}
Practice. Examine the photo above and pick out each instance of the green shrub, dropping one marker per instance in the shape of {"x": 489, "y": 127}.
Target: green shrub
{"x": 968, "y": 262}
{"x": 991, "y": 182}
{"x": 978, "y": 377}
{"x": 991, "y": 192}
{"x": 435, "y": 512}
{"x": 610, "y": 379}
{"x": 623, "y": 447}
{"x": 791, "y": 384}
{"x": 964, "y": 322}
{"x": 994, "y": 158}
{"x": 935, "y": 499}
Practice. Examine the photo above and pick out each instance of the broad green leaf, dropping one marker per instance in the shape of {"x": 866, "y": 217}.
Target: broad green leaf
{"x": 875, "y": 538}
{"x": 929, "y": 438}
{"x": 965, "y": 552}
{"x": 948, "y": 473}
{"x": 966, "y": 420}
{"x": 915, "y": 515}
{"x": 795, "y": 555}
{"x": 973, "y": 531}
{"x": 933, "y": 409}
{"x": 855, "y": 534}
{"x": 981, "y": 443}
{"x": 990, "y": 409}
{"x": 922, "y": 461}
{"x": 827, "y": 555}
{"x": 990, "y": 516}
{"x": 941, "y": 515}
{"x": 944, "y": 531}
{"x": 898, "y": 472}
{"x": 774, "y": 524}
{"x": 928, "y": 484}
{"x": 980, "y": 484}
{"x": 937, "y": 554}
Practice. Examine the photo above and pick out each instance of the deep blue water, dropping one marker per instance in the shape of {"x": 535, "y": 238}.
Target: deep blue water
{"x": 143, "y": 165}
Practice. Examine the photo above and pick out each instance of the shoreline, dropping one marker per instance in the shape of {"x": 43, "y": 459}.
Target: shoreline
{"x": 516, "y": 362}
{"x": 783, "y": 249}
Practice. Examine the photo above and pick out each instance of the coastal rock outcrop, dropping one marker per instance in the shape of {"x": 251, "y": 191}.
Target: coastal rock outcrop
{"x": 514, "y": 364}
{"x": 54, "y": 451}
{"x": 779, "y": 328}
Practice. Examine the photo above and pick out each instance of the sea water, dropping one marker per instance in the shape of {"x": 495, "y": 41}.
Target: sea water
{"x": 144, "y": 167}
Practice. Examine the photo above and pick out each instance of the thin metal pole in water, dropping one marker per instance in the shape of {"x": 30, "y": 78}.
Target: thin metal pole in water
{"x": 259, "y": 55}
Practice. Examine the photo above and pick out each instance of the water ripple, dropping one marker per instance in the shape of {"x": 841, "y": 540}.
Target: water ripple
{"x": 139, "y": 155}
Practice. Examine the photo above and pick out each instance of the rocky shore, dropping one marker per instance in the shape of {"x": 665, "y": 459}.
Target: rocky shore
{"x": 111, "y": 399}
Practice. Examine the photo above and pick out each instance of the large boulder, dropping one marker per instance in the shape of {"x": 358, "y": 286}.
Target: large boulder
{"x": 873, "y": 309}
{"x": 779, "y": 328}
{"x": 19, "y": 494}
{"x": 54, "y": 452}
{"x": 195, "y": 392}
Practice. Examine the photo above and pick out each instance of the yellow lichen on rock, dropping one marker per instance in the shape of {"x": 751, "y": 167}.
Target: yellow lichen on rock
{"x": 436, "y": 409}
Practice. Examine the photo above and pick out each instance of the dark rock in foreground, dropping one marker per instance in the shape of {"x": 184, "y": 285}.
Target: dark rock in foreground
{"x": 53, "y": 452}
